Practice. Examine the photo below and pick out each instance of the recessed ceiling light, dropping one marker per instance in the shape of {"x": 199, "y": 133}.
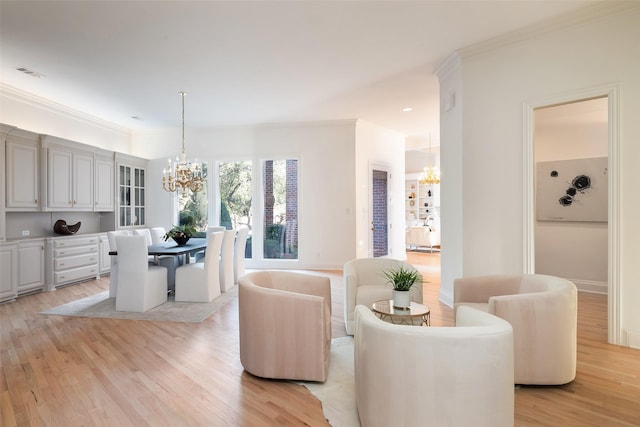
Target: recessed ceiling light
{"x": 30, "y": 72}
{"x": 407, "y": 109}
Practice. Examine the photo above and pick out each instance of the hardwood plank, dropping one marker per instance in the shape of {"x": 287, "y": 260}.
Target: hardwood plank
{"x": 67, "y": 371}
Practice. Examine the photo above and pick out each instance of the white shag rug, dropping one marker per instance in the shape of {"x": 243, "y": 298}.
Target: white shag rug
{"x": 338, "y": 394}
{"x": 100, "y": 305}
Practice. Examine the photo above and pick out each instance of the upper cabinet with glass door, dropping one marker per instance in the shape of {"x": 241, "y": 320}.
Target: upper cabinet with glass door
{"x": 131, "y": 191}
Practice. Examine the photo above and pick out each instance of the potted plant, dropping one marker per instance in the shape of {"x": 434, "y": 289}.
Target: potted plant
{"x": 402, "y": 279}
{"x": 180, "y": 234}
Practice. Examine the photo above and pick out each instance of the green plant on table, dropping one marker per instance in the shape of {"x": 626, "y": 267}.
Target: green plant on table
{"x": 402, "y": 278}
{"x": 180, "y": 231}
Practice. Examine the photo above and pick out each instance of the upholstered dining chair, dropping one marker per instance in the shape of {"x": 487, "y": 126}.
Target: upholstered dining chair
{"x": 200, "y": 281}
{"x": 226, "y": 261}
{"x": 285, "y": 324}
{"x": 141, "y": 286}
{"x": 199, "y": 256}
{"x": 113, "y": 275}
{"x": 365, "y": 283}
{"x": 157, "y": 235}
{"x": 170, "y": 262}
{"x": 239, "y": 249}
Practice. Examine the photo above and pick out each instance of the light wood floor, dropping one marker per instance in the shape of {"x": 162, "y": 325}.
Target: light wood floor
{"x": 64, "y": 371}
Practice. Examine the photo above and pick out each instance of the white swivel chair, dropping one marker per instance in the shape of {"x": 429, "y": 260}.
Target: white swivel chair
{"x": 170, "y": 262}
{"x": 140, "y": 286}
{"x": 200, "y": 281}
{"x": 113, "y": 276}
{"x": 226, "y": 261}
{"x": 199, "y": 256}
{"x": 365, "y": 283}
{"x": 238, "y": 256}
{"x": 157, "y": 234}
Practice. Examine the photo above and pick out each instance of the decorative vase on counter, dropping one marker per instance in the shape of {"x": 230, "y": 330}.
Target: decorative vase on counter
{"x": 401, "y": 299}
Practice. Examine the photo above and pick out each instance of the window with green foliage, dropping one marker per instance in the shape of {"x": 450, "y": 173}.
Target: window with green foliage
{"x": 280, "y": 185}
{"x": 235, "y": 197}
{"x": 193, "y": 207}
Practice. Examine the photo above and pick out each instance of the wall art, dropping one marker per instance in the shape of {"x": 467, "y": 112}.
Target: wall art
{"x": 572, "y": 190}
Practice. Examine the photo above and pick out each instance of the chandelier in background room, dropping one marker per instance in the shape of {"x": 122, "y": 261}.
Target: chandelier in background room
{"x": 430, "y": 176}
{"x": 183, "y": 174}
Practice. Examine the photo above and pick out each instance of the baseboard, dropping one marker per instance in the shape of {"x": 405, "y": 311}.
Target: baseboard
{"x": 591, "y": 286}
{"x": 633, "y": 340}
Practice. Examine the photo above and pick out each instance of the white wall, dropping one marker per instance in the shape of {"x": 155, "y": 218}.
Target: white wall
{"x": 327, "y": 189}
{"x": 27, "y": 112}
{"x": 379, "y": 146}
{"x": 497, "y": 80}
{"x": 573, "y": 250}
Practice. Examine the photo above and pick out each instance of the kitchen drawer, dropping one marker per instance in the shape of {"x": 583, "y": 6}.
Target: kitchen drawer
{"x": 76, "y": 241}
{"x": 75, "y": 250}
{"x": 76, "y": 274}
{"x": 75, "y": 261}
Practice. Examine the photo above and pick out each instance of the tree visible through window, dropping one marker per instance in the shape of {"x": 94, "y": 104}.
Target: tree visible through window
{"x": 193, "y": 207}
{"x": 235, "y": 198}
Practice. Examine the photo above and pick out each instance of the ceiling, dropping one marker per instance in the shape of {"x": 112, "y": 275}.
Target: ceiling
{"x": 249, "y": 62}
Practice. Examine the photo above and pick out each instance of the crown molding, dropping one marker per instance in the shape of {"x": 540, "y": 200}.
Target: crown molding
{"x": 587, "y": 14}
{"x": 32, "y": 100}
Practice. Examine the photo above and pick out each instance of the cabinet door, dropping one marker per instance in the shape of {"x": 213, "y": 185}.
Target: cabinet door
{"x": 82, "y": 182}
{"x": 30, "y": 266}
{"x": 59, "y": 185}
{"x": 104, "y": 184}
{"x": 8, "y": 272}
{"x": 22, "y": 175}
{"x": 105, "y": 258}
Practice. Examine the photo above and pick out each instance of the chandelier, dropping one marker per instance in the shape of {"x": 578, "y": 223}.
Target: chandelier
{"x": 182, "y": 175}
{"x": 429, "y": 176}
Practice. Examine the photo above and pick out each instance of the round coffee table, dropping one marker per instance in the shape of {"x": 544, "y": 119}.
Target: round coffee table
{"x": 402, "y": 316}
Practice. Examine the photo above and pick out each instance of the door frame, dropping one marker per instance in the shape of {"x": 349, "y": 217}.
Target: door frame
{"x": 613, "y": 240}
{"x": 385, "y": 167}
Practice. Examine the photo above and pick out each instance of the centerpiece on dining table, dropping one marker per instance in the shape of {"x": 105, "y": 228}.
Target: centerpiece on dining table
{"x": 180, "y": 234}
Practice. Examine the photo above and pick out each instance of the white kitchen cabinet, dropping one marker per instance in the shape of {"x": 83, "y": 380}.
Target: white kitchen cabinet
{"x": 70, "y": 179}
{"x": 74, "y": 259}
{"x": 22, "y": 173}
{"x": 104, "y": 183}
{"x": 30, "y": 266}
{"x": 8, "y": 271}
{"x": 105, "y": 258}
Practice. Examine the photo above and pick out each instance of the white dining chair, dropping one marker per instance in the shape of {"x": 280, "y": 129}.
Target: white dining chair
{"x": 140, "y": 286}
{"x": 157, "y": 235}
{"x": 239, "y": 249}
{"x": 113, "y": 275}
{"x": 200, "y": 281}
{"x": 226, "y": 261}
{"x": 199, "y": 256}
{"x": 170, "y": 262}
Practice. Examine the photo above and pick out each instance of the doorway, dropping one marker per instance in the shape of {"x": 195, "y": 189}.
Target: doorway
{"x": 571, "y": 187}
{"x": 379, "y": 239}
{"x": 611, "y": 93}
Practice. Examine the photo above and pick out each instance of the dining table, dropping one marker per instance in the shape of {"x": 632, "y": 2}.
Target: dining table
{"x": 195, "y": 244}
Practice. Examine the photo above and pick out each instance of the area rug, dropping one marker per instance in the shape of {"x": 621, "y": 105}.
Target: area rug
{"x": 100, "y": 305}
{"x": 338, "y": 394}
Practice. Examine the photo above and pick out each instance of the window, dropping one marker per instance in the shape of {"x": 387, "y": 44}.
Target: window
{"x": 280, "y": 186}
{"x": 235, "y": 197}
{"x": 193, "y": 207}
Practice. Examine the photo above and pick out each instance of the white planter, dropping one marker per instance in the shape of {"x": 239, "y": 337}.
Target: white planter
{"x": 401, "y": 299}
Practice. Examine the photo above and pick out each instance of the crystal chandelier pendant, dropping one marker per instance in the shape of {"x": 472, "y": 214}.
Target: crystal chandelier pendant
{"x": 429, "y": 176}
{"x": 183, "y": 174}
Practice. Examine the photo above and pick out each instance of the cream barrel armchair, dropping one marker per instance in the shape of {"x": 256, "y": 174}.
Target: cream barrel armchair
{"x": 285, "y": 325}
{"x": 364, "y": 283}
{"x": 543, "y": 312}
{"x": 417, "y": 376}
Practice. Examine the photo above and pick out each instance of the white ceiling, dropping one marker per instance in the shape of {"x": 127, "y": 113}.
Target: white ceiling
{"x": 246, "y": 63}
